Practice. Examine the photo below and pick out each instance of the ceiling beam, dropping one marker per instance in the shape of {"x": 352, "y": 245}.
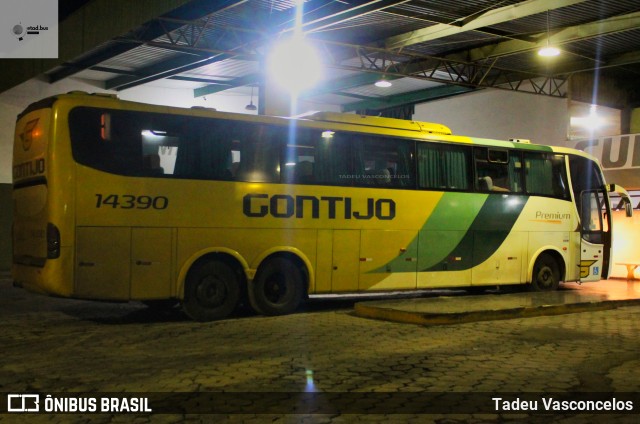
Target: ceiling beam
{"x": 148, "y": 31}
{"x": 408, "y": 98}
{"x": 509, "y": 80}
{"x": 315, "y": 19}
{"x": 325, "y": 21}
{"x": 346, "y": 83}
{"x": 470, "y": 23}
{"x": 180, "y": 64}
{"x": 193, "y": 56}
{"x": 161, "y": 70}
{"x": 612, "y": 25}
{"x": 586, "y": 65}
{"x": 235, "y": 82}
{"x": 175, "y": 77}
{"x": 355, "y": 96}
{"x": 482, "y": 74}
{"x": 491, "y": 32}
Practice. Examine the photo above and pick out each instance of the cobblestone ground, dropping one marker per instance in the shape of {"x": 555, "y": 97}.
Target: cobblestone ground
{"x": 59, "y": 345}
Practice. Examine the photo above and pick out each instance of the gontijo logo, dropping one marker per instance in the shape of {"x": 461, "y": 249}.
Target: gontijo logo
{"x": 259, "y": 205}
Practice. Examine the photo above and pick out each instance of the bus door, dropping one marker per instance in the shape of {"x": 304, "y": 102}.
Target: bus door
{"x": 595, "y": 231}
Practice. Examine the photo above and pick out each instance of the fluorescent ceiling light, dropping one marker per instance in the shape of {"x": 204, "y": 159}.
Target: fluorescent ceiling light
{"x": 383, "y": 83}
{"x": 549, "y": 51}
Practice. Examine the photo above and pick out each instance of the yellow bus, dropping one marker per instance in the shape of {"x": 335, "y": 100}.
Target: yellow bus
{"x": 122, "y": 201}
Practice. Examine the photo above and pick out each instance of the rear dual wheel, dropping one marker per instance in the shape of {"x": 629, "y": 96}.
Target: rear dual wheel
{"x": 278, "y": 287}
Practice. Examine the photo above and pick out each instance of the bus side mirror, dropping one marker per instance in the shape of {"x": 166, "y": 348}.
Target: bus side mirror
{"x": 624, "y": 195}
{"x": 628, "y": 208}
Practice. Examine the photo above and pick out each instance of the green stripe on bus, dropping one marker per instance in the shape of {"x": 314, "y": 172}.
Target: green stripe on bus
{"x": 447, "y": 226}
{"x": 488, "y": 231}
{"x": 442, "y": 232}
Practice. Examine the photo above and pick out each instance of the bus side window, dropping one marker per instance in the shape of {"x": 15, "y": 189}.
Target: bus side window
{"x": 152, "y": 165}
{"x": 316, "y": 157}
{"x": 126, "y": 145}
{"x": 515, "y": 172}
{"x": 159, "y": 149}
{"x": 259, "y": 153}
{"x": 384, "y": 163}
{"x": 235, "y": 159}
{"x": 299, "y": 159}
{"x": 546, "y": 175}
{"x": 443, "y": 167}
{"x": 492, "y": 170}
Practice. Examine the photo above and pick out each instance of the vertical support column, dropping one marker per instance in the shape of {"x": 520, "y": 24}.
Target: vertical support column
{"x": 273, "y": 100}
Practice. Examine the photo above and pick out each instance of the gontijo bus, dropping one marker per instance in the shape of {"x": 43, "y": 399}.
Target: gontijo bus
{"x": 126, "y": 201}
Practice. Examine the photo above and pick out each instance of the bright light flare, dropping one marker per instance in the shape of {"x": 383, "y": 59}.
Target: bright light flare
{"x": 549, "y": 51}
{"x": 311, "y": 386}
{"x": 591, "y": 122}
{"x": 294, "y": 64}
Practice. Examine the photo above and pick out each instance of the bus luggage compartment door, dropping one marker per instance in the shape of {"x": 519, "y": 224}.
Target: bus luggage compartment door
{"x": 151, "y": 263}
{"x": 102, "y": 262}
{"x": 345, "y": 260}
{"x": 388, "y": 260}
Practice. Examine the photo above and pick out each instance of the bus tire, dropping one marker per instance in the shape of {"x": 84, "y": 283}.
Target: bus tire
{"x": 546, "y": 274}
{"x": 278, "y": 287}
{"x": 211, "y": 292}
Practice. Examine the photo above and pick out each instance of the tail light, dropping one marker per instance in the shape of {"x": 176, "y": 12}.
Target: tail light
{"x": 53, "y": 241}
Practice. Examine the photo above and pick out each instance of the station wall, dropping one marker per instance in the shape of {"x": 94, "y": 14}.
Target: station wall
{"x": 500, "y": 114}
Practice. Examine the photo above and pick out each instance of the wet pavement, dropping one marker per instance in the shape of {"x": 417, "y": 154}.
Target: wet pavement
{"x": 323, "y": 364}
{"x": 571, "y": 298}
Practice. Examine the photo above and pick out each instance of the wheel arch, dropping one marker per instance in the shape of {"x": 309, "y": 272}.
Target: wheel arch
{"x": 229, "y": 256}
{"x": 296, "y": 256}
{"x": 555, "y": 254}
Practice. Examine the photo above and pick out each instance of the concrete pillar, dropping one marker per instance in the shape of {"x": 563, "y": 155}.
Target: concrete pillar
{"x": 273, "y": 100}
{"x": 634, "y": 121}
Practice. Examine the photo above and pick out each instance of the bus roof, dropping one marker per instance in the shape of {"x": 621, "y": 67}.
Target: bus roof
{"x": 376, "y": 121}
{"x": 339, "y": 121}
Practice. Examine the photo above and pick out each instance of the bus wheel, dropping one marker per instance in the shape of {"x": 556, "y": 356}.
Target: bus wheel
{"x": 211, "y": 292}
{"x": 278, "y": 287}
{"x": 546, "y": 274}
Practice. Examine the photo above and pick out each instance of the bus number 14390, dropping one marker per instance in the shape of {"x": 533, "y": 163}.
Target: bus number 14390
{"x": 128, "y": 201}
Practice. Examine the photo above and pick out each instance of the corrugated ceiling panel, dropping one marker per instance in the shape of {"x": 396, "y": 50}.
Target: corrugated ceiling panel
{"x": 140, "y": 57}
{"x": 576, "y": 14}
{"x": 462, "y": 41}
{"x": 372, "y": 26}
{"x": 449, "y": 11}
{"x": 608, "y": 45}
{"x": 399, "y": 86}
{"x": 226, "y": 69}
